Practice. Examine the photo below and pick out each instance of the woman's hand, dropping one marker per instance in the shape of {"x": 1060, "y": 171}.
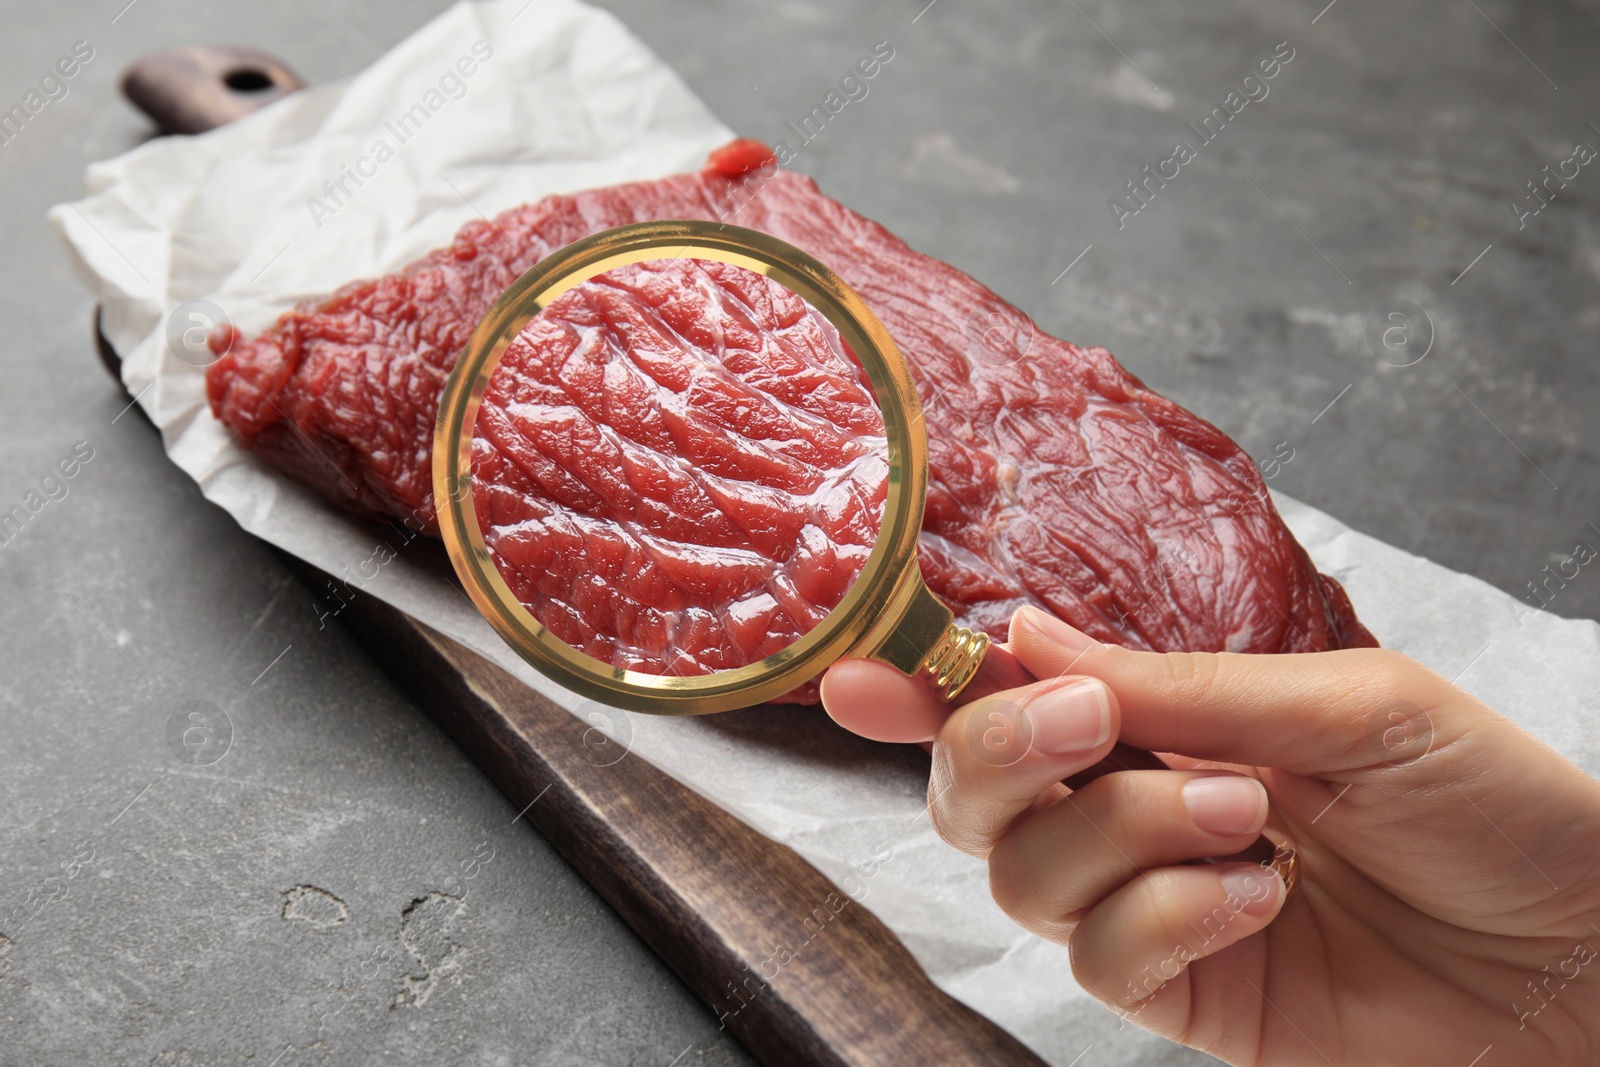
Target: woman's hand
{"x": 1449, "y": 906}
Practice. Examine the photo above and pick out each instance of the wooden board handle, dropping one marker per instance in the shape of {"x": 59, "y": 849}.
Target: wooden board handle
{"x": 192, "y": 90}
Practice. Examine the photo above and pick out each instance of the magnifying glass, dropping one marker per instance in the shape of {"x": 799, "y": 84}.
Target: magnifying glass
{"x": 681, "y": 467}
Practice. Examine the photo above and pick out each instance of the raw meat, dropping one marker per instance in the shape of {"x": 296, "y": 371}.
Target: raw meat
{"x": 1058, "y": 479}
{"x": 684, "y": 471}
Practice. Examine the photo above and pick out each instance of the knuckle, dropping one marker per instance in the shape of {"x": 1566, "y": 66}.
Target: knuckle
{"x": 1194, "y": 674}
{"x": 1386, "y": 672}
{"x": 938, "y": 790}
{"x": 1163, "y": 900}
{"x": 1109, "y": 792}
{"x": 1006, "y": 882}
{"x": 945, "y": 812}
{"x": 1036, "y": 907}
{"x": 1091, "y": 970}
{"x": 941, "y": 826}
{"x": 1102, "y": 807}
{"x": 958, "y": 832}
{"x": 1402, "y": 710}
{"x": 1385, "y": 677}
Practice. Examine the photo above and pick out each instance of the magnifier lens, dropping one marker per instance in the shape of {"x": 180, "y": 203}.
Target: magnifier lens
{"x": 679, "y": 467}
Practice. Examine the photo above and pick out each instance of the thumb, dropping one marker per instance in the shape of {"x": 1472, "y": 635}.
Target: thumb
{"x": 1308, "y": 713}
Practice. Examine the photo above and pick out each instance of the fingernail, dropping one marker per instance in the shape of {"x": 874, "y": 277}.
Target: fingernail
{"x": 1075, "y": 717}
{"x": 1252, "y": 889}
{"x": 1226, "y": 804}
{"x": 1069, "y": 637}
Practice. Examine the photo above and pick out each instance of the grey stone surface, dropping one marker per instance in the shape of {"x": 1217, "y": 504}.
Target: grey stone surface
{"x": 1385, "y": 158}
{"x": 161, "y": 906}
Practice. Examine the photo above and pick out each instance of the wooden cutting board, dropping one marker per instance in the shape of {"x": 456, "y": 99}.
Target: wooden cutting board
{"x": 705, "y": 891}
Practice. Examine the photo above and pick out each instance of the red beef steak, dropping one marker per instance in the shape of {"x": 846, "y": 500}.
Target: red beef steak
{"x": 1058, "y": 479}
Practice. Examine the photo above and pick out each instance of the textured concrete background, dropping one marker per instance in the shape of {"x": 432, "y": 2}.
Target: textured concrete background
{"x": 344, "y": 887}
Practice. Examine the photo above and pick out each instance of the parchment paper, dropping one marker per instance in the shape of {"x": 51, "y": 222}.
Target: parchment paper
{"x": 568, "y": 99}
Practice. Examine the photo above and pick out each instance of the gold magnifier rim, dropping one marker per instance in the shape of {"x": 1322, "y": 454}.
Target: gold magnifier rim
{"x": 877, "y": 595}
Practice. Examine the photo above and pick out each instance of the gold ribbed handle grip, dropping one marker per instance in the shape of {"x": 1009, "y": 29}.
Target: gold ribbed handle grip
{"x": 955, "y": 660}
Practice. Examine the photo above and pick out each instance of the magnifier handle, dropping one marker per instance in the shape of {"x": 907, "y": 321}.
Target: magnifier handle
{"x": 1001, "y": 671}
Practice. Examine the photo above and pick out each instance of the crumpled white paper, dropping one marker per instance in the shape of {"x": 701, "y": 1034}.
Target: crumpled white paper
{"x": 561, "y": 97}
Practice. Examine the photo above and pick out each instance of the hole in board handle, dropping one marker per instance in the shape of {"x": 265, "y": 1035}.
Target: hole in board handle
{"x": 247, "y": 80}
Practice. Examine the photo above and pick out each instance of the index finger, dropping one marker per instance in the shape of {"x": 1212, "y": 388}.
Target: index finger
{"x": 1307, "y": 712}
